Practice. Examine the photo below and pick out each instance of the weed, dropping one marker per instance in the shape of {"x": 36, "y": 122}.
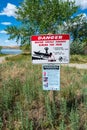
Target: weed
{"x": 62, "y": 125}
{"x": 74, "y": 120}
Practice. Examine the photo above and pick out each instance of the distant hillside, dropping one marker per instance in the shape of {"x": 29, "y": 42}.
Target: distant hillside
{"x": 11, "y": 47}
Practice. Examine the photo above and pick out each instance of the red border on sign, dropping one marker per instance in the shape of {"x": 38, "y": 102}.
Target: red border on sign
{"x": 50, "y": 37}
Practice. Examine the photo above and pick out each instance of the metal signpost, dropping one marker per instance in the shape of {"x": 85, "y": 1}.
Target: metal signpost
{"x": 50, "y": 50}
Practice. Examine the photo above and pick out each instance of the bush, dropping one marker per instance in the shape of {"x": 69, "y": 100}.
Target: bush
{"x": 76, "y": 48}
{"x": 26, "y": 47}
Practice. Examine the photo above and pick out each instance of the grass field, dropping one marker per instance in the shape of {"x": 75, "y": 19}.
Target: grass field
{"x": 78, "y": 59}
{"x": 25, "y": 106}
{"x": 2, "y": 55}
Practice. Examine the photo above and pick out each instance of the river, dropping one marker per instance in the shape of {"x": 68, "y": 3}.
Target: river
{"x": 11, "y": 51}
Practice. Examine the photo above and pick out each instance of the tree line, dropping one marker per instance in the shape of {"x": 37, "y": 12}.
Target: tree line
{"x": 48, "y": 16}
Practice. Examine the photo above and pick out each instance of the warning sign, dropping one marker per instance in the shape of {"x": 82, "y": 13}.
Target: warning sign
{"x": 50, "y": 48}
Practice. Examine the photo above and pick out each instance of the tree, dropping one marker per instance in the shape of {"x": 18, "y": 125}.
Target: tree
{"x": 40, "y": 17}
{"x": 77, "y": 27}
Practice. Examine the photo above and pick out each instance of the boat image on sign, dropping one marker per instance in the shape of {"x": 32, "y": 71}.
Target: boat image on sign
{"x": 43, "y": 56}
{"x": 40, "y": 55}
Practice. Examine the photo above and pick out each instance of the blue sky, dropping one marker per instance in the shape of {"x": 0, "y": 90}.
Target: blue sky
{"x": 7, "y": 17}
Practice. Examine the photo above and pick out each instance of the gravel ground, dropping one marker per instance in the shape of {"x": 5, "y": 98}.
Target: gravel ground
{"x": 78, "y": 66}
{"x": 2, "y": 59}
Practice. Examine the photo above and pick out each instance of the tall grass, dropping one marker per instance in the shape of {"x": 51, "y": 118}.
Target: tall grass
{"x": 25, "y": 106}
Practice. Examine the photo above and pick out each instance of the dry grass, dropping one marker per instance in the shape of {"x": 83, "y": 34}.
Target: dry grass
{"x": 78, "y": 58}
{"x": 28, "y": 107}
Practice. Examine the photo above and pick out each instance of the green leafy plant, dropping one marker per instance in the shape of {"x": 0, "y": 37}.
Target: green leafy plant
{"x": 76, "y": 48}
{"x": 74, "y": 120}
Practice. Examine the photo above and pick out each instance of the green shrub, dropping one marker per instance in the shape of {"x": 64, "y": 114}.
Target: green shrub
{"x": 26, "y": 47}
{"x": 76, "y": 48}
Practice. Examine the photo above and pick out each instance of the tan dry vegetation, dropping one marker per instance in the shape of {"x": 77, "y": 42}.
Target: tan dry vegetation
{"x": 14, "y": 72}
{"x": 70, "y": 76}
{"x": 20, "y": 70}
{"x": 37, "y": 103}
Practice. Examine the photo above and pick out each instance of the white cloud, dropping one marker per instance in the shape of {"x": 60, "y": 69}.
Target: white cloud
{"x": 81, "y": 3}
{"x": 3, "y": 32}
{"x": 9, "y": 10}
{"x": 6, "y": 23}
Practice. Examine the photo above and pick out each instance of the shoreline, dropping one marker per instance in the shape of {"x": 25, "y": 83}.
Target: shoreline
{"x": 10, "y": 47}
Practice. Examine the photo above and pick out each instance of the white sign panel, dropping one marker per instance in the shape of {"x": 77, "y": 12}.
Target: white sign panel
{"x": 50, "y": 48}
{"x": 51, "y": 77}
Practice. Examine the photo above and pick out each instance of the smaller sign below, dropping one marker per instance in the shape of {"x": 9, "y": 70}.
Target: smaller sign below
{"x": 51, "y": 77}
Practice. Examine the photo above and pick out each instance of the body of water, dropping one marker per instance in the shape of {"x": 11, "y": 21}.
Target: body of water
{"x": 11, "y": 51}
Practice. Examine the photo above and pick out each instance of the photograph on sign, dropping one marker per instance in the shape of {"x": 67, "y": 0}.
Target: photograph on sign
{"x": 51, "y": 77}
{"x": 50, "y": 48}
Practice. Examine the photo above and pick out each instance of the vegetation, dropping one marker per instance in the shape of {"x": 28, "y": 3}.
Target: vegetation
{"x": 76, "y": 48}
{"x": 26, "y": 48}
{"x": 41, "y": 17}
{"x": 25, "y": 106}
{"x": 77, "y": 28}
{"x": 3, "y": 55}
{"x": 23, "y": 103}
{"x": 78, "y": 59}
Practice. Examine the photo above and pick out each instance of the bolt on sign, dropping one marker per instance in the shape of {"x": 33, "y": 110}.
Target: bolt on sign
{"x": 52, "y": 48}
